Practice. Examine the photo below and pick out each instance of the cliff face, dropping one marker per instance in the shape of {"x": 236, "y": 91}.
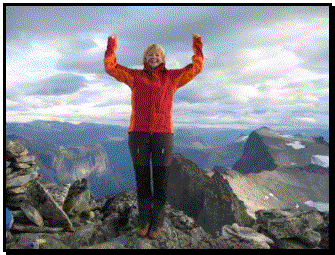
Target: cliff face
{"x": 209, "y": 200}
{"x": 221, "y": 206}
{"x": 79, "y": 162}
{"x": 266, "y": 149}
{"x": 186, "y": 185}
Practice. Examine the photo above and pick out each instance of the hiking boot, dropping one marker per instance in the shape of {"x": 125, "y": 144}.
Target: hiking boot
{"x": 155, "y": 232}
{"x": 143, "y": 229}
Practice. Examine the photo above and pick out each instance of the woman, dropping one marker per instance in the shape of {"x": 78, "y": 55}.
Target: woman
{"x": 151, "y": 129}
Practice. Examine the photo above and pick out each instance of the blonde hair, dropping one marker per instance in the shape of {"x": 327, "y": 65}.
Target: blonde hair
{"x": 154, "y": 46}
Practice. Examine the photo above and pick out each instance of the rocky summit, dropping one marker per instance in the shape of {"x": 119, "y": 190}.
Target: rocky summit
{"x": 49, "y": 216}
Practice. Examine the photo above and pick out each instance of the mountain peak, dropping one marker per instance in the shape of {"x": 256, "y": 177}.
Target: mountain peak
{"x": 266, "y": 149}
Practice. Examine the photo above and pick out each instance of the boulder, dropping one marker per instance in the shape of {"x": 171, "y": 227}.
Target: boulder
{"x": 48, "y": 207}
{"x": 17, "y": 227}
{"x": 247, "y": 235}
{"x": 15, "y": 149}
{"x": 21, "y": 170}
{"x": 21, "y": 180}
{"x": 83, "y": 236}
{"x": 281, "y": 224}
{"x": 58, "y": 192}
{"x": 79, "y": 200}
{"x": 323, "y": 229}
{"x": 32, "y": 214}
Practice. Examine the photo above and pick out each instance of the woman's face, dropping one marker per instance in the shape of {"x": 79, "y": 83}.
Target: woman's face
{"x": 154, "y": 58}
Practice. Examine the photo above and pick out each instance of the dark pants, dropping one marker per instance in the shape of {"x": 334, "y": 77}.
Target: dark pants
{"x": 146, "y": 147}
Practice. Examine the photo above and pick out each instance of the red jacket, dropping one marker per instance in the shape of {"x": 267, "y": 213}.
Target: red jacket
{"x": 153, "y": 90}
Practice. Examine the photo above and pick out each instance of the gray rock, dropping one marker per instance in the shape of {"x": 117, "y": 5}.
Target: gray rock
{"x": 248, "y": 235}
{"x": 310, "y": 237}
{"x": 186, "y": 186}
{"x": 46, "y": 205}
{"x": 181, "y": 221}
{"x": 115, "y": 244}
{"x": 25, "y": 159}
{"x": 20, "y": 180}
{"x": 15, "y": 149}
{"x": 323, "y": 229}
{"x": 179, "y": 230}
{"x": 17, "y": 190}
{"x": 32, "y": 214}
{"x": 14, "y": 201}
{"x": 83, "y": 236}
{"x": 285, "y": 225}
{"x": 290, "y": 243}
{"x": 35, "y": 229}
{"x": 9, "y": 170}
{"x": 59, "y": 193}
{"x": 209, "y": 200}
{"x": 22, "y": 165}
{"x": 79, "y": 200}
{"x": 45, "y": 240}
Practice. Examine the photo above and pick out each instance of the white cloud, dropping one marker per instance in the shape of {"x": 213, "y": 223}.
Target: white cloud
{"x": 172, "y": 63}
{"x": 264, "y": 65}
{"x": 303, "y": 75}
{"x": 216, "y": 76}
{"x": 294, "y": 31}
{"x": 242, "y": 93}
{"x": 269, "y": 61}
{"x": 310, "y": 98}
{"x": 32, "y": 64}
{"x": 11, "y": 104}
{"x": 306, "y": 119}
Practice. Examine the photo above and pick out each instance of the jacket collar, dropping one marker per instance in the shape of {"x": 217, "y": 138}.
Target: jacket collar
{"x": 161, "y": 67}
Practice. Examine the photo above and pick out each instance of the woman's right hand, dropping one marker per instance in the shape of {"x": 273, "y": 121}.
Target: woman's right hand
{"x": 113, "y": 36}
{"x": 111, "y": 45}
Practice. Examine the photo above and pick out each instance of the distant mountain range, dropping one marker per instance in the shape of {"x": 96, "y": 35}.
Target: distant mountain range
{"x": 66, "y": 152}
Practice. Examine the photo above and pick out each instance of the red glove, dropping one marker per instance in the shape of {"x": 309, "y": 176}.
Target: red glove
{"x": 111, "y": 46}
{"x": 197, "y": 46}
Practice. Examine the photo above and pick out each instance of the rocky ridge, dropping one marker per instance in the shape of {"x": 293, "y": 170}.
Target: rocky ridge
{"x": 68, "y": 217}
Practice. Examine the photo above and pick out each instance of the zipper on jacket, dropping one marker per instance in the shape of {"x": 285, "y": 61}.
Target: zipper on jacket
{"x": 152, "y": 111}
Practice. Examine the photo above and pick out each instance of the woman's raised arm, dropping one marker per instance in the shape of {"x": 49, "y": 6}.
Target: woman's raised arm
{"x": 187, "y": 73}
{"x": 119, "y": 72}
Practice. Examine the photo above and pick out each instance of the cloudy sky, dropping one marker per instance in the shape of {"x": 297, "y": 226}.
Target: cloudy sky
{"x": 264, "y": 66}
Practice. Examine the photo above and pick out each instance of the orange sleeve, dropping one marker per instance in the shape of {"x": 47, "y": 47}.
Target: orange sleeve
{"x": 119, "y": 72}
{"x": 191, "y": 70}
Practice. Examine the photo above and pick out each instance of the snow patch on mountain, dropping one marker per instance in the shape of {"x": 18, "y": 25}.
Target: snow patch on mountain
{"x": 296, "y": 145}
{"x": 320, "y": 160}
{"x": 323, "y": 207}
